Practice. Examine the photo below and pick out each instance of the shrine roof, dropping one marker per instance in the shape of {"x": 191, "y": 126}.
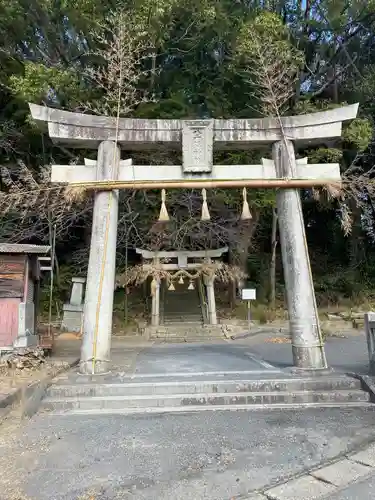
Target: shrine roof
{"x": 23, "y": 248}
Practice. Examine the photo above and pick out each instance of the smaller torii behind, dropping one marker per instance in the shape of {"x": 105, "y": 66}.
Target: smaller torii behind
{"x": 183, "y": 259}
{"x": 197, "y": 138}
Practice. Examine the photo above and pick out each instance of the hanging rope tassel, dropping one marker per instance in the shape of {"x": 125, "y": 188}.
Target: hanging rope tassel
{"x": 163, "y": 216}
{"x": 246, "y": 214}
{"x": 191, "y": 285}
{"x": 205, "y": 211}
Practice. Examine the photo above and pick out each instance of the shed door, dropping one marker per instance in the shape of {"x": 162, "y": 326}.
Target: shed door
{"x": 8, "y": 321}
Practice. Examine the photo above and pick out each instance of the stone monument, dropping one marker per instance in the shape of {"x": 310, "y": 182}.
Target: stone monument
{"x": 73, "y": 311}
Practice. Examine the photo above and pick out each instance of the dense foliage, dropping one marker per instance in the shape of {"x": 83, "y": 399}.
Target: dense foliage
{"x": 198, "y": 58}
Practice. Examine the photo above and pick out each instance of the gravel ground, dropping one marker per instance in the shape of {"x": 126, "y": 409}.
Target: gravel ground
{"x": 209, "y": 455}
{"x": 213, "y": 455}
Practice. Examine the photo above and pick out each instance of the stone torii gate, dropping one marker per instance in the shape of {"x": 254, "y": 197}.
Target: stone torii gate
{"x": 183, "y": 259}
{"x": 197, "y": 138}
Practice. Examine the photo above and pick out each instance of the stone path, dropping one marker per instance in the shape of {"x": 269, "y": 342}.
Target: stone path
{"x": 331, "y": 481}
{"x": 343, "y": 354}
{"x": 199, "y": 359}
{"x": 360, "y": 490}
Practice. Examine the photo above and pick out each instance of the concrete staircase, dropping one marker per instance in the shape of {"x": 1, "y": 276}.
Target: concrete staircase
{"x": 182, "y": 317}
{"x": 186, "y": 332}
{"x": 181, "y": 305}
{"x": 114, "y": 394}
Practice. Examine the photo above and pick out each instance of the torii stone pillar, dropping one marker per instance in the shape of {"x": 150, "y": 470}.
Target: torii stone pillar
{"x": 308, "y": 351}
{"x": 155, "y": 304}
{"x": 98, "y": 310}
{"x": 211, "y": 303}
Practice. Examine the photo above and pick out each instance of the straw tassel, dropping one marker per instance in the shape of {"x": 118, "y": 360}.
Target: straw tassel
{"x": 163, "y": 216}
{"x": 191, "y": 285}
{"x": 205, "y": 211}
{"x": 246, "y": 214}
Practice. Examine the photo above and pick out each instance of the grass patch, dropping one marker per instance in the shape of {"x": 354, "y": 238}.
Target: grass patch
{"x": 260, "y": 312}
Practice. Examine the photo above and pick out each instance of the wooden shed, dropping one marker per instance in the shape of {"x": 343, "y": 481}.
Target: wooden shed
{"x": 20, "y": 272}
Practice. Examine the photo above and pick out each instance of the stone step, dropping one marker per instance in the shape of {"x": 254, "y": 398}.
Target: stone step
{"x": 172, "y": 328}
{"x": 191, "y": 326}
{"x": 157, "y": 387}
{"x": 196, "y": 399}
{"x": 169, "y": 395}
{"x": 183, "y": 307}
{"x": 180, "y": 319}
{"x": 188, "y": 300}
{"x": 188, "y": 333}
{"x": 192, "y": 298}
{"x": 200, "y": 408}
{"x": 199, "y": 326}
{"x": 190, "y": 339}
{"x": 182, "y": 304}
{"x": 189, "y": 321}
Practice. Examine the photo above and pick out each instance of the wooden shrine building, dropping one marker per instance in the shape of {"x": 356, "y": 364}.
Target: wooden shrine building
{"x": 20, "y": 272}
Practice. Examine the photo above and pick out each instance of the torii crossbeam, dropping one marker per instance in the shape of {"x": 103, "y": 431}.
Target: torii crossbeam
{"x": 197, "y": 139}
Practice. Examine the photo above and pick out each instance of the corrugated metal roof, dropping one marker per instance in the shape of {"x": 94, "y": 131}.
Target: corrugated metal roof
{"x": 21, "y": 248}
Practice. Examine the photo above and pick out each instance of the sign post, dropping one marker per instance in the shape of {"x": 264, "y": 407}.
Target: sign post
{"x": 370, "y": 334}
{"x": 248, "y": 294}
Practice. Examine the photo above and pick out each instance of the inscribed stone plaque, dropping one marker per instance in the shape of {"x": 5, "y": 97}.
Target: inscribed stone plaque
{"x": 197, "y": 141}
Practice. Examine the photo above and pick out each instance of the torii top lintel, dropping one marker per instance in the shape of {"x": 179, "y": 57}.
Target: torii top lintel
{"x": 79, "y": 130}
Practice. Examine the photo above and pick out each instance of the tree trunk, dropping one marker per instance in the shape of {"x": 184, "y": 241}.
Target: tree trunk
{"x": 244, "y": 241}
{"x": 52, "y": 242}
{"x": 272, "y": 284}
{"x": 356, "y": 239}
{"x": 232, "y": 290}
{"x": 244, "y": 237}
